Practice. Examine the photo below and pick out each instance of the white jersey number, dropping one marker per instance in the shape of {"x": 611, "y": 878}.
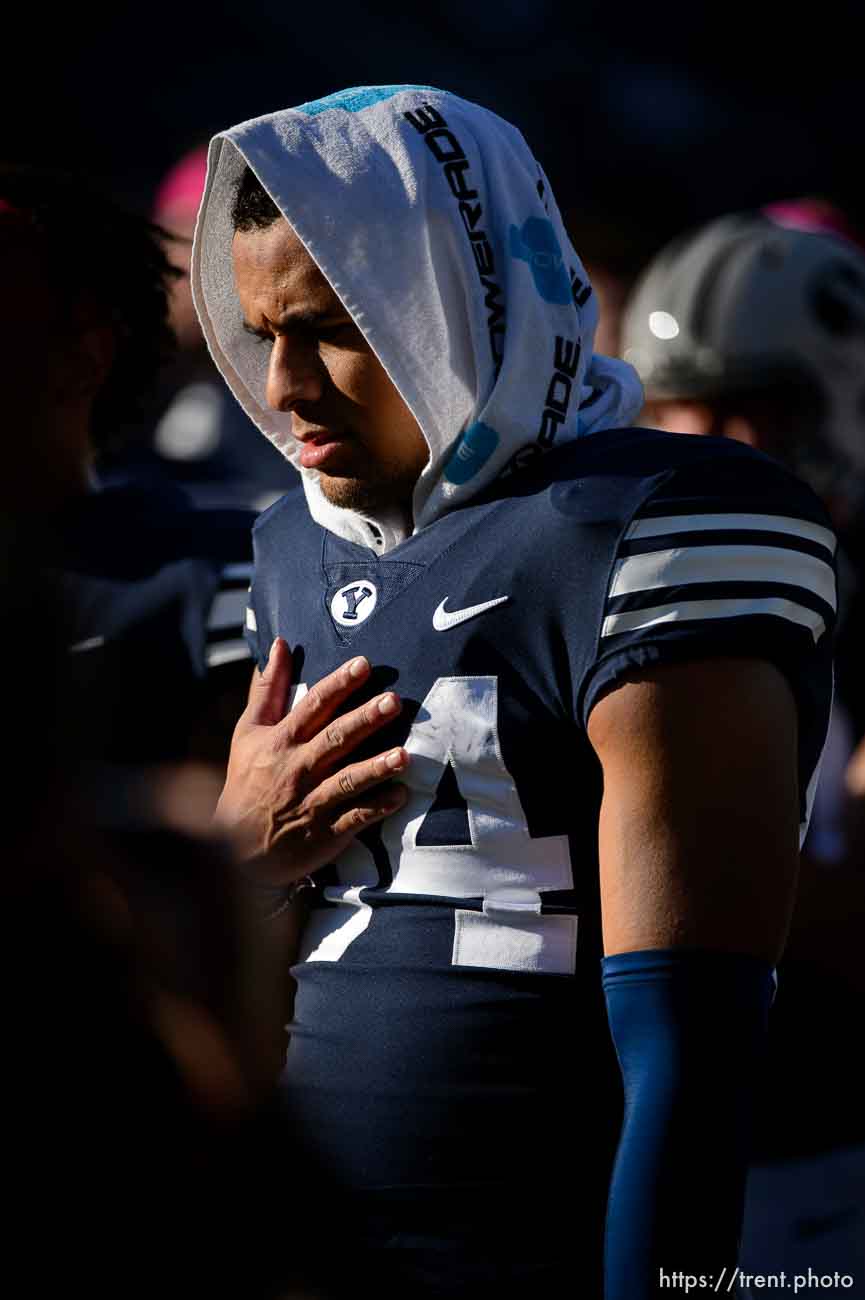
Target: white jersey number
{"x": 457, "y": 726}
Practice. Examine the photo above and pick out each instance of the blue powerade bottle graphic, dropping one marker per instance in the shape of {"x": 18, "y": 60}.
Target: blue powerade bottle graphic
{"x": 471, "y": 453}
{"x": 536, "y": 244}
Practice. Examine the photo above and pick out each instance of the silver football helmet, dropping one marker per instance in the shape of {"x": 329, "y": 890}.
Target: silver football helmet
{"x": 744, "y": 304}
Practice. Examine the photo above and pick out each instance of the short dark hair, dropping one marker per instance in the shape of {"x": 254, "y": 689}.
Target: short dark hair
{"x": 112, "y": 258}
{"x": 253, "y": 208}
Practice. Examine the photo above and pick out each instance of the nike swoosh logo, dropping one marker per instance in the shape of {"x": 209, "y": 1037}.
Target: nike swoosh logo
{"x": 443, "y": 619}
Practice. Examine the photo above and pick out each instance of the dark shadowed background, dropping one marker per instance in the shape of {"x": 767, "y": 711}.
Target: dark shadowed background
{"x": 648, "y": 117}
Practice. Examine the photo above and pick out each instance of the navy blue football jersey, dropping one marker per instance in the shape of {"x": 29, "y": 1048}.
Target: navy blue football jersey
{"x": 450, "y": 1046}
{"x": 154, "y": 593}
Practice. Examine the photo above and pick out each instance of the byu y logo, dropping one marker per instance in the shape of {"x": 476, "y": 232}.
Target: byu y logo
{"x": 354, "y": 603}
{"x": 536, "y": 244}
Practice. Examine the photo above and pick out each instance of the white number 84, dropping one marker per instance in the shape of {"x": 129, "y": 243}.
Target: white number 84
{"x": 457, "y": 725}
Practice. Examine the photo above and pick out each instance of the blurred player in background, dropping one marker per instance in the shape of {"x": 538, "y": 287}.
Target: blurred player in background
{"x": 156, "y": 589}
{"x": 756, "y": 331}
{"x": 543, "y": 606}
{"x": 144, "y": 1010}
{"x": 753, "y": 328}
{"x": 145, "y": 1143}
{"x": 193, "y": 433}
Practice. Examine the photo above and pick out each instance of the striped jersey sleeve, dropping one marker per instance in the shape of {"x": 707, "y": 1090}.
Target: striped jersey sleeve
{"x": 720, "y": 566}
{"x": 228, "y": 616}
{"x": 697, "y": 568}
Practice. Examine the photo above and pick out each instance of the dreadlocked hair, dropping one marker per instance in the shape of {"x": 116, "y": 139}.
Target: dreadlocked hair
{"x": 103, "y": 256}
{"x": 253, "y": 208}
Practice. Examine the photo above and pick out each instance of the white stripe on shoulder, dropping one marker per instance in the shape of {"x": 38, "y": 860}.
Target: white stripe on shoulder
{"x": 740, "y": 523}
{"x": 684, "y": 610}
{"x": 237, "y": 572}
{"x": 227, "y": 609}
{"x": 691, "y": 564}
{"x": 251, "y": 620}
{"x": 90, "y": 643}
{"x": 227, "y": 652}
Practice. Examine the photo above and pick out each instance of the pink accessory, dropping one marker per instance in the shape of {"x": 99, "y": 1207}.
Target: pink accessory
{"x": 181, "y": 188}
{"x": 816, "y": 216}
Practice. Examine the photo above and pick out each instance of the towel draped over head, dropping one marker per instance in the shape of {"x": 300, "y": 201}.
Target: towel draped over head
{"x": 438, "y": 230}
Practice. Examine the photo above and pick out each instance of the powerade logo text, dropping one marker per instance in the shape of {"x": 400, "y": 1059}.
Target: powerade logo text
{"x": 446, "y": 149}
{"x": 536, "y": 244}
{"x": 566, "y": 361}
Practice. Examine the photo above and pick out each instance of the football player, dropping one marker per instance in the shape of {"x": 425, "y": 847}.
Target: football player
{"x": 753, "y": 326}
{"x": 148, "y": 580}
{"x": 194, "y": 434}
{"x": 595, "y": 657}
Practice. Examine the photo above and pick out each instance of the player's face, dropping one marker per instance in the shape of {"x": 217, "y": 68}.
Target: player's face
{"x": 355, "y": 428}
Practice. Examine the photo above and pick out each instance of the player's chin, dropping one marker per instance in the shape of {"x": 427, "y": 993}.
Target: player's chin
{"x": 373, "y": 493}
{"x": 341, "y": 490}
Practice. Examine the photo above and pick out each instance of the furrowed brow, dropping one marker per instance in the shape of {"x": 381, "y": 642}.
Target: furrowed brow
{"x": 302, "y": 320}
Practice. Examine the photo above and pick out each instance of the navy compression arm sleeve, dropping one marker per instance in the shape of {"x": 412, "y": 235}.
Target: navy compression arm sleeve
{"x": 689, "y": 1028}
